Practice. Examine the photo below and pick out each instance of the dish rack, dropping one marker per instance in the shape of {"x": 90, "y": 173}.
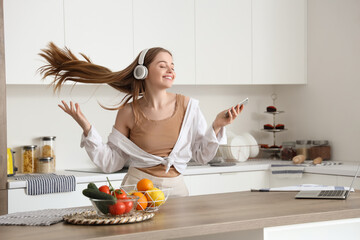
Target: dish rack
{"x": 235, "y": 154}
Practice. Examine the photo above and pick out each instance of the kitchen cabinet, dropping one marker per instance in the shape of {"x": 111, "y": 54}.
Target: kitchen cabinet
{"x": 213, "y": 42}
{"x": 200, "y": 181}
{"x": 346, "y": 181}
{"x": 279, "y": 41}
{"x": 28, "y": 27}
{"x": 102, "y": 30}
{"x": 307, "y": 178}
{"x": 226, "y": 182}
{"x": 168, "y": 24}
{"x": 223, "y": 42}
{"x": 310, "y": 178}
{"x": 20, "y": 202}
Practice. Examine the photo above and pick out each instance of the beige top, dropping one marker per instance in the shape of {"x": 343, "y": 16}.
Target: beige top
{"x": 158, "y": 137}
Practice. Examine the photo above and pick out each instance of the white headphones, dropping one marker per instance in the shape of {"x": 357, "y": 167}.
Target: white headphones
{"x": 140, "y": 71}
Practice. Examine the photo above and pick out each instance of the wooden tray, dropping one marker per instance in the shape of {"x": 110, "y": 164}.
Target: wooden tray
{"x": 91, "y": 218}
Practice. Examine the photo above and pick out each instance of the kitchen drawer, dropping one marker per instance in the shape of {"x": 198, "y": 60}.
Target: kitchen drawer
{"x": 307, "y": 178}
{"x": 19, "y": 201}
{"x": 226, "y": 182}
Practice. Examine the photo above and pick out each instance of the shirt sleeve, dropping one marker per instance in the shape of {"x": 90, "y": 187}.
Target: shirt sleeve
{"x": 206, "y": 142}
{"x": 104, "y": 155}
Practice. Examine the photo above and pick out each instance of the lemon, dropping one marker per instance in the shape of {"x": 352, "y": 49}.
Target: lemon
{"x": 155, "y": 197}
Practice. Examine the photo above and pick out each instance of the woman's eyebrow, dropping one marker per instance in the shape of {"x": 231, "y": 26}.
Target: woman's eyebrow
{"x": 164, "y": 62}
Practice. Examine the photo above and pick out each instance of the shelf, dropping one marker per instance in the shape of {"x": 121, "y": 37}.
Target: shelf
{"x": 274, "y": 130}
{"x": 277, "y": 112}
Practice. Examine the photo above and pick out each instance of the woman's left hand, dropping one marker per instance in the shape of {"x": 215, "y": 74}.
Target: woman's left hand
{"x": 226, "y": 117}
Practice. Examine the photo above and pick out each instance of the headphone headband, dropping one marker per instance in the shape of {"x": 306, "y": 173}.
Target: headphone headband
{"x": 140, "y": 71}
{"x": 142, "y": 56}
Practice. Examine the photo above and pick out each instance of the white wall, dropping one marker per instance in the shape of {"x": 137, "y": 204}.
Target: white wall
{"x": 328, "y": 106}
{"x": 33, "y": 112}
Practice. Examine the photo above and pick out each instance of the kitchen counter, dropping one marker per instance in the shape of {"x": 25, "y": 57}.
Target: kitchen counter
{"x": 95, "y": 175}
{"x": 223, "y": 214}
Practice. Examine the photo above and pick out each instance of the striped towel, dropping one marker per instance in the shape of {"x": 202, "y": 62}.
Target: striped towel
{"x": 44, "y": 217}
{"x": 287, "y": 170}
{"x": 38, "y": 184}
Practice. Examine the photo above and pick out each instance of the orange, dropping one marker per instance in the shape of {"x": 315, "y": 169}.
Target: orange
{"x": 142, "y": 202}
{"x": 144, "y": 185}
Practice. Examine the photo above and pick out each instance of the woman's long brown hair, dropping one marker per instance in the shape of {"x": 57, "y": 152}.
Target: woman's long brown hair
{"x": 64, "y": 66}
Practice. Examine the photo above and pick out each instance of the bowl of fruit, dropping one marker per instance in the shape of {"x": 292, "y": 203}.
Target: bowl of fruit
{"x": 118, "y": 207}
{"x": 108, "y": 201}
{"x": 150, "y": 197}
{"x": 126, "y": 200}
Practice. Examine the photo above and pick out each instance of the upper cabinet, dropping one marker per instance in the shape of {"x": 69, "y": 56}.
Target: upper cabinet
{"x": 102, "y": 30}
{"x": 223, "y": 41}
{"x": 168, "y": 24}
{"x": 28, "y": 27}
{"x": 212, "y": 41}
{"x": 279, "y": 41}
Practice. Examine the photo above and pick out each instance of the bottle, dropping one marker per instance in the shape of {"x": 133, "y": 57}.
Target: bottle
{"x": 302, "y": 148}
{"x": 45, "y": 165}
{"x": 288, "y": 151}
{"x": 320, "y": 148}
{"x": 47, "y": 148}
{"x": 28, "y": 158}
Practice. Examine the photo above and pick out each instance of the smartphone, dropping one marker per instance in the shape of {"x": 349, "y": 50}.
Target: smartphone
{"x": 243, "y": 102}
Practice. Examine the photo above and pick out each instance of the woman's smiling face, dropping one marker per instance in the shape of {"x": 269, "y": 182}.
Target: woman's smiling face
{"x": 161, "y": 71}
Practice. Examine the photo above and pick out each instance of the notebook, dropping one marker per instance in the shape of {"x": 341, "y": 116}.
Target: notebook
{"x": 328, "y": 194}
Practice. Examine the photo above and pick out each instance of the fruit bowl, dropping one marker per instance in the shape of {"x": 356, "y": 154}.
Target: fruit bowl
{"x": 119, "y": 207}
{"x": 155, "y": 198}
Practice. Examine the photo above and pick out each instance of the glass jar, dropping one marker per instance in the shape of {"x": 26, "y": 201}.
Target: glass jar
{"x": 45, "y": 165}
{"x": 320, "y": 148}
{"x": 288, "y": 151}
{"x": 302, "y": 148}
{"x": 47, "y": 148}
{"x": 28, "y": 158}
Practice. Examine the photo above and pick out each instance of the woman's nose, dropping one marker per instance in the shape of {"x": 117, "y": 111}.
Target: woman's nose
{"x": 169, "y": 69}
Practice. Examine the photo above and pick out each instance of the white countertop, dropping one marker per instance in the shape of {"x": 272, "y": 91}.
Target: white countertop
{"x": 93, "y": 175}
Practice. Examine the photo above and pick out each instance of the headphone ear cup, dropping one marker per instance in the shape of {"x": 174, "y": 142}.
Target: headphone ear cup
{"x": 140, "y": 72}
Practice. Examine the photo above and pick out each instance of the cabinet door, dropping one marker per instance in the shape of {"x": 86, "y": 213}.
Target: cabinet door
{"x": 28, "y": 27}
{"x": 346, "y": 182}
{"x": 17, "y": 198}
{"x": 223, "y": 41}
{"x": 168, "y": 24}
{"x": 307, "y": 178}
{"x": 279, "y": 41}
{"x": 226, "y": 182}
{"x": 102, "y": 30}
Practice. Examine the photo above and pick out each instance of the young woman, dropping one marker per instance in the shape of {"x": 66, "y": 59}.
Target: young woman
{"x": 156, "y": 133}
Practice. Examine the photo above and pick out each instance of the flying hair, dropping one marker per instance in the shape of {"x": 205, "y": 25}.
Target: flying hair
{"x": 64, "y": 66}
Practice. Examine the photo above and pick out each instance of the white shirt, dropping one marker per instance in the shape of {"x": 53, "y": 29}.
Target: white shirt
{"x": 195, "y": 141}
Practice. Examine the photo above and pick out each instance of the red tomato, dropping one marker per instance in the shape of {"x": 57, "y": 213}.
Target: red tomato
{"x": 128, "y": 205}
{"x": 104, "y": 189}
{"x": 117, "y": 209}
{"x": 120, "y": 194}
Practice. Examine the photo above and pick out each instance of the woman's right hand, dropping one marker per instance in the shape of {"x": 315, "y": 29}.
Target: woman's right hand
{"x": 77, "y": 115}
